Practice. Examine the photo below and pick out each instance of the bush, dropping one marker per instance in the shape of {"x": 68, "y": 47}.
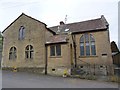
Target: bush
{"x": 114, "y": 78}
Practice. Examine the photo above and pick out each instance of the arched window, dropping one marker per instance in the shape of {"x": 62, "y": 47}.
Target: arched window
{"x": 21, "y": 33}
{"x": 29, "y": 52}
{"x": 87, "y": 45}
{"x": 12, "y": 53}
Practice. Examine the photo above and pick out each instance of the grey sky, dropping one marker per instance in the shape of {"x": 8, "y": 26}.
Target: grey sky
{"x": 52, "y": 12}
{"x": 119, "y": 26}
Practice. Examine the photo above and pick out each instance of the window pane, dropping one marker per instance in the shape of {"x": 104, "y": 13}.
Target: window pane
{"x": 26, "y": 54}
{"x": 92, "y": 38}
{"x": 52, "y": 50}
{"x": 29, "y": 51}
{"x": 14, "y": 50}
{"x": 31, "y": 47}
{"x": 86, "y": 38}
{"x": 93, "y": 50}
{"x": 87, "y": 49}
{"x": 27, "y": 48}
{"x": 82, "y": 39}
{"x": 31, "y": 54}
{"x": 58, "y": 50}
{"x": 11, "y": 49}
{"x": 21, "y": 33}
{"x": 82, "y": 49}
{"x": 12, "y": 53}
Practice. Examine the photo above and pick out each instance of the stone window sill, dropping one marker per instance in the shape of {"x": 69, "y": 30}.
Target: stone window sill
{"x": 88, "y": 56}
{"x": 28, "y": 59}
{"x": 55, "y": 56}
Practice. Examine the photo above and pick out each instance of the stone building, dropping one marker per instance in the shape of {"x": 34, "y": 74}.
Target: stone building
{"x": 24, "y": 43}
{"x": 29, "y": 43}
{"x": 116, "y": 58}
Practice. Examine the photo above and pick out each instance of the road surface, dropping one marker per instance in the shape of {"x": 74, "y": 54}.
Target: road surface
{"x": 29, "y": 80}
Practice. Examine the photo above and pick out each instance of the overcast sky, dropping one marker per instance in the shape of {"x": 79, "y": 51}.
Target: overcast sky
{"x": 52, "y": 12}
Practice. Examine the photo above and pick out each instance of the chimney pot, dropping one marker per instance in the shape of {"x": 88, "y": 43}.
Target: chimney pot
{"x": 62, "y": 23}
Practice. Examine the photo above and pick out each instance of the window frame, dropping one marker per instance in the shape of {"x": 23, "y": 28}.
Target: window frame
{"x": 29, "y": 52}
{"x": 56, "y": 50}
{"x": 52, "y": 50}
{"x": 13, "y": 53}
{"x": 87, "y": 43}
{"x": 21, "y": 35}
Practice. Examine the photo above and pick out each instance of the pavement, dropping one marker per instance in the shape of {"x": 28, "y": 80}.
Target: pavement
{"x": 29, "y": 80}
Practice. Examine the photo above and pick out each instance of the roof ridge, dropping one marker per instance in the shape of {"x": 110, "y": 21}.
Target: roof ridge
{"x": 85, "y": 21}
{"x": 19, "y": 17}
{"x": 84, "y": 26}
{"x": 78, "y": 22}
{"x": 32, "y": 18}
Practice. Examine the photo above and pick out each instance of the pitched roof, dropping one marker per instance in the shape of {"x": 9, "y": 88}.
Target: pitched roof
{"x": 28, "y": 17}
{"x": 89, "y": 25}
{"x": 57, "y": 39}
{"x": 114, "y": 47}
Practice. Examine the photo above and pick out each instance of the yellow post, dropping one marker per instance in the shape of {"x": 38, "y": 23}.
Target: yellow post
{"x": 65, "y": 73}
{"x": 14, "y": 69}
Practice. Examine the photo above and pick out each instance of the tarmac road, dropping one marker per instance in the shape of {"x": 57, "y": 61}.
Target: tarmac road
{"x": 29, "y": 80}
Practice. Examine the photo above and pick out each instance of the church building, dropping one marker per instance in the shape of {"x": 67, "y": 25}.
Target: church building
{"x": 85, "y": 45}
